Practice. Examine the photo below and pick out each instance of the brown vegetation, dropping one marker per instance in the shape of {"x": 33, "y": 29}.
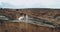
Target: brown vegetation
{"x": 47, "y": 14}
{"x": 24, "y": 27}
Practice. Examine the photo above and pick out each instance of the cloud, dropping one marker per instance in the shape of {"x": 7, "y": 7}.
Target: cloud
{"x": 30, "y": 3}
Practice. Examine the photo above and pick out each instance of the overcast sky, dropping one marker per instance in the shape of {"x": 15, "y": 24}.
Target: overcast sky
{"x": 29, "y": 3}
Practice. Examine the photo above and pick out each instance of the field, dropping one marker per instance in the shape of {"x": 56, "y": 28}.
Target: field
{"x": 37, "y": 15}
{"x": 24, "y": 27}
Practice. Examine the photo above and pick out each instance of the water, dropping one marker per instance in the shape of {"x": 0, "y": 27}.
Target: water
{"x": 3, "y": 18}
{"x": 35, "y": 21}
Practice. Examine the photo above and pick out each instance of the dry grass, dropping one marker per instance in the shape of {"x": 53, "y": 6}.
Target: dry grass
{"x": 24, "y": 27}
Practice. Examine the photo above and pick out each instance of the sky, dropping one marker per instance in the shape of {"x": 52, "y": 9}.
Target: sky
{"x": 30, "y": 4}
